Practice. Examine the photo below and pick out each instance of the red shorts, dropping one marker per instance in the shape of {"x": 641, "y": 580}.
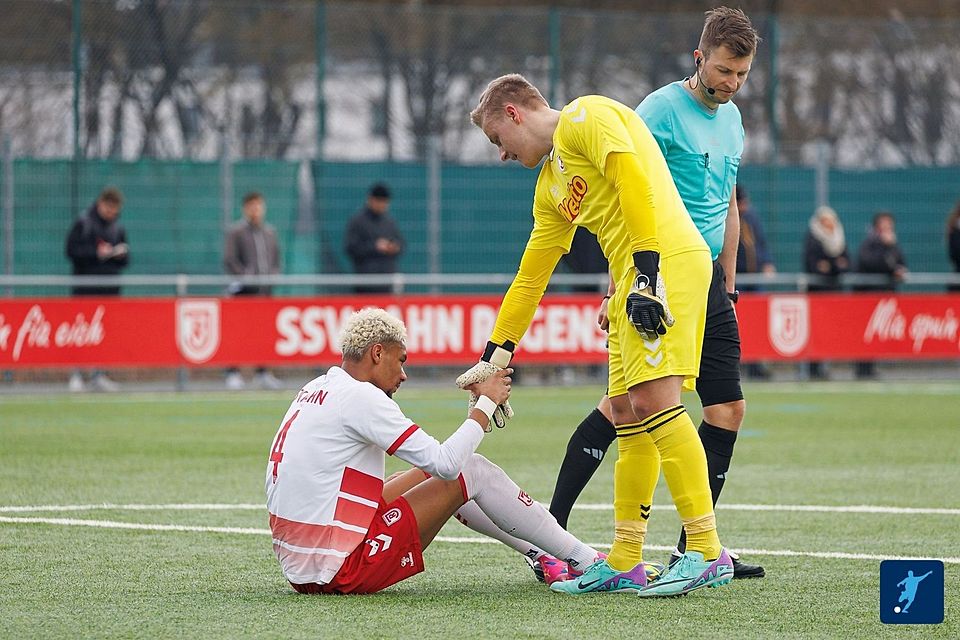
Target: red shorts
{"x": 390, "y": 553}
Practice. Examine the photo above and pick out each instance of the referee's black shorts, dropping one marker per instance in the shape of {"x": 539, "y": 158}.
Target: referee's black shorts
{"x": 719, "y": 380}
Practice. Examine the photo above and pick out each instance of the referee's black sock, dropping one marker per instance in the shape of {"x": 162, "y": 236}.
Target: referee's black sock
{"x": 718, "y": 445}
{"x": 585, "y": 452}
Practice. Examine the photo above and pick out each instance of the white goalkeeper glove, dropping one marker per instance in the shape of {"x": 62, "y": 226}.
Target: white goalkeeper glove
{"x": 647, "y": 306}
{"x": 495, "y": 357}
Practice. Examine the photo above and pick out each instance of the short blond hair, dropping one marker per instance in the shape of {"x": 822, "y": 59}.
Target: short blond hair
{"x": 368, "y": 327}
{"x": 512, "y": 87}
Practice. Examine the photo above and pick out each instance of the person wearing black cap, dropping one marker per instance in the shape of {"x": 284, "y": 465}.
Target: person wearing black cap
{"x": 373, "y": 240}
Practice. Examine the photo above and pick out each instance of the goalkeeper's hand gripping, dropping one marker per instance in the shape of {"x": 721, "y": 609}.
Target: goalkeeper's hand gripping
{"x": 647, "y": 306}
{"x": 495, "y": 357}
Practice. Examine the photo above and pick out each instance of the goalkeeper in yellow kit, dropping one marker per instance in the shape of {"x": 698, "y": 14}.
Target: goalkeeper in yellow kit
{"x": 602, "y": 170}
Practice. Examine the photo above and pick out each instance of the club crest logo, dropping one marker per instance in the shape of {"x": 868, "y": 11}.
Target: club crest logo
{"x": 560, "y": 164}
{"x": 789, "y": 324}
{"x": 392, "y": 516}
{"x": 198, "y": 329}
{"x": 525, "y": 499}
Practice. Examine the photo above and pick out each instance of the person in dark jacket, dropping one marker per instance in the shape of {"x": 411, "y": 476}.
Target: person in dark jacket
{"x": 251, "y": 249}
{"x": 585, "y": 257}
{"x": 880, "y": 254}
{"x": 373, "y": 240}
{"x": 753, "y": 253}
{"x": 97, "y": 246}
{"x": 953, "y": 242}
{"x": 825, "y": 254}
{"x": 753, "y": 256}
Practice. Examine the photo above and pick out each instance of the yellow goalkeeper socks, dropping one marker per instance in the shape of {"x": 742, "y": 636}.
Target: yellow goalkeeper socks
{"x": 685, "y": 468}
{"x": 634, "y": 481}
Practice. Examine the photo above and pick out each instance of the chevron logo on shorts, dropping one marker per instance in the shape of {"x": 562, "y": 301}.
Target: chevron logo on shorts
{"x": 656, "y": 356}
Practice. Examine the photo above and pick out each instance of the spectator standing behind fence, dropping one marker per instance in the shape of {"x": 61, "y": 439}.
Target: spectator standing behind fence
{"x": 586, "y": 257}
{"x": 373, "y": 240}
{"x": 97, "y": 246}
{"x": 753, "y": 256}
{"x": 953, "y": 242}
{"x": 251, "y": 249}
{"x": 825, "y": 254}
{"x": 880, "y": 254}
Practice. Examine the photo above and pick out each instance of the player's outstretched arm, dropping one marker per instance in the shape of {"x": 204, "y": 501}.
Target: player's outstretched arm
{"x": 516, "y": 312}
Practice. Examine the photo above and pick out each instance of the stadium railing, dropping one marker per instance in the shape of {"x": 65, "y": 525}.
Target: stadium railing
{"x": 188, "y": 284}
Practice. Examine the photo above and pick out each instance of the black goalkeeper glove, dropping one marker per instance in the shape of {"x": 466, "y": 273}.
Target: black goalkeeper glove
{"x": 647, "y": 306}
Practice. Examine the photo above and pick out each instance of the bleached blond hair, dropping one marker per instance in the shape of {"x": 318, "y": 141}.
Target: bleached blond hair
{"x": 368, "y": 327}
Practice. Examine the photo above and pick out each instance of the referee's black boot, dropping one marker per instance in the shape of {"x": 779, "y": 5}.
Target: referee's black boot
{"x": 743, "y": 570}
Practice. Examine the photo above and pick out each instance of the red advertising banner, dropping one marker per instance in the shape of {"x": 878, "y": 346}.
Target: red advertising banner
{"x": 849, "y": 326}
{"x": 450, "y": 329}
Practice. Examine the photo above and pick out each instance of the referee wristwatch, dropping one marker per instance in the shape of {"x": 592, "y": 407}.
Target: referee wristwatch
{"x": 734, "y": 296}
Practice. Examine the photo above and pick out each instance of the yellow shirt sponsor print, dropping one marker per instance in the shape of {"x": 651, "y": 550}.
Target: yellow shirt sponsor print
{"x": 572, "y": 190}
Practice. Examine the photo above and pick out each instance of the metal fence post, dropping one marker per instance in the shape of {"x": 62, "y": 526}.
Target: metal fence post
{"x": 8, "y": 242}
{"x": 76, "y": 18}
{"x": 320, "y": 47}
{"x": 226, "y": 185}
{"x": 433, "y": 207}
{"x": 823, "y": 173}
{"x": 554, "y": 37}
{"x": 773, "y": 42}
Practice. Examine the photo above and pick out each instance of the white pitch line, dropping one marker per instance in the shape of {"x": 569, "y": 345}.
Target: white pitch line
{"x": 863, "y": 508}
{"x": 870, "y": 509}
{"x": 139, "y": 526}
{"x": 107, "y": 506}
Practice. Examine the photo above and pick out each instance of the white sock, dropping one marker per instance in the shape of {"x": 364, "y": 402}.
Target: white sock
{"x": 473, "y": 517}
{"x": 518, "y": 515}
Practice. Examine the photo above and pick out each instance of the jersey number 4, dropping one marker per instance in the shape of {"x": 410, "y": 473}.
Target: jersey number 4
{"x": 276, "y": 455}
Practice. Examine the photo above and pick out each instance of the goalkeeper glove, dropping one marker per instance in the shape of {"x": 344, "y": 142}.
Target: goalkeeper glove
{"x": 495, "y": 357}
{"x": 647, "y": 301}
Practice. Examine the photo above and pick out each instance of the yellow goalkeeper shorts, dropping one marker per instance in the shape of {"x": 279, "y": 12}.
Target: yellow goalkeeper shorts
{"x": 686, "y": 277}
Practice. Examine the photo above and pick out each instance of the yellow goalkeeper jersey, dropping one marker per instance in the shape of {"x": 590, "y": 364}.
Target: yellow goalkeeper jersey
{"x": 572, "y": 192}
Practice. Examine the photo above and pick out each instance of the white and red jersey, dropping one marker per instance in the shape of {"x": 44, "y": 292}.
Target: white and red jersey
{"x": 324, "y": 478}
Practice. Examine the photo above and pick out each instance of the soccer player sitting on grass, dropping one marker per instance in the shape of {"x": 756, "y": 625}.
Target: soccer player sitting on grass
{"x": 337, "y": 527}
{"x": 604, "y": 171}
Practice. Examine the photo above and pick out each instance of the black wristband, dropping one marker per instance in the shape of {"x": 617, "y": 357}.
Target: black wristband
{"x": 647, "y": 263}
{"x": 492, "y": 346}
{"x": 607, "y": 297}
{"x": 734, "y": 296}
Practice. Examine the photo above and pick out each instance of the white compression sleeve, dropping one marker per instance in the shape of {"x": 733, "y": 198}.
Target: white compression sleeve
{"x": 518, "y": 515}
{"x": 473, "y": 517}
{"x": 442, "y": 460}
